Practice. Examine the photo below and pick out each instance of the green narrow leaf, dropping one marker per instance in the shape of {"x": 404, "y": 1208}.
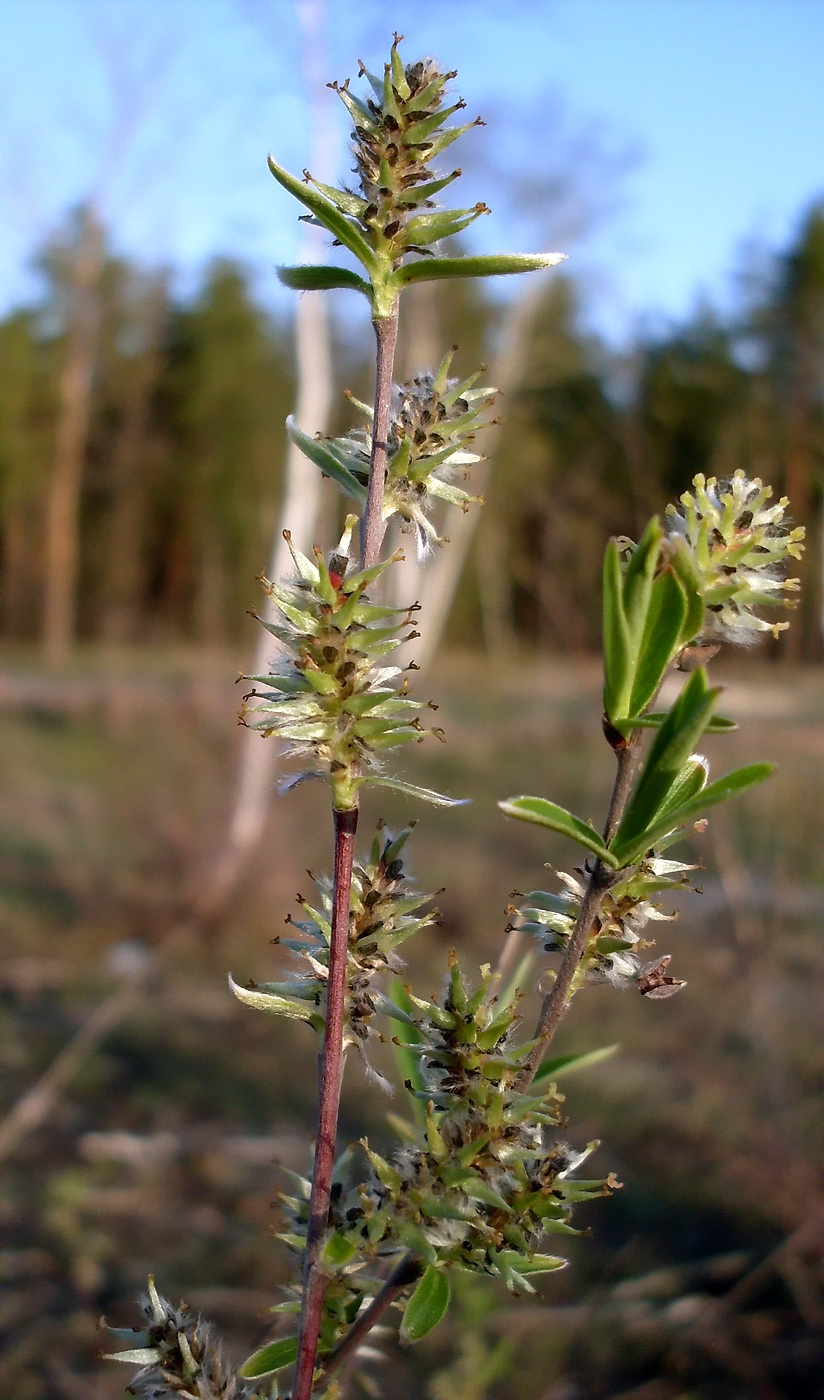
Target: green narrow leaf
{"x": 674, "y": 742}
{"x": 320, "y": 454}
{"x": 660, "y": 638}
{"x": 274, "y": 1004}
{"x": 639, "y": 576}
{"x": 730, "y": 786}
{"x": 424, "y": 128}
{"x": 344, "y": 200}
{"x": 556, "y": 1066}
{"x": 683, "y": 563}
{"x": 442, "y": 223}
{"x": 717, "y": 725}
{"x": 427, "y": 1305}
{"x": 690, "y": 781}
{"x": 269, "y": 1359}
{"x": 617, "y": 653}
{"x": 315, "y": 277}
{"x": 128, "y": 1334}
{"x": 442, "y": 139}
{"x": 428, "y": 191}
{"x": 538, "y": 1264}
{"x": 332, "y": 219}
{"x": 398, "y": 73}
{"x": 478, "y": 1189}
{"x": 543, "y": 813}
{"x": 438, "y": 799}
{"x": 489, "y": 265}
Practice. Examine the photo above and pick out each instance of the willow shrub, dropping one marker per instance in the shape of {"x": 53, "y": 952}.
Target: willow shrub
{"x": 484, "y": 1178}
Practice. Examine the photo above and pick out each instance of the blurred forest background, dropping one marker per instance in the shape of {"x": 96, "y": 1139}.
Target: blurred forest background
{"x": 143, "y": 473}
{"x": 142, "y": 447}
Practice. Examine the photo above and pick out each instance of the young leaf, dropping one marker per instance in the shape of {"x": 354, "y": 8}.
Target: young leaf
{"x": 690, "y": 781}
{"x": 543, "y": 813}
{"x": 554, "y": 1067}
{"x": 275, "y": 1004}
{"x": 538, "y": 1264}
{"x": 323, "y": 209}
{"x": 617, "y": 647}
{"x": 344, "y": 200}
{"x": 674, "y": 742}
{"x": 717, "y": 725}
{"x": 269, "y": 1359}
{"x": 442, "y": 223}
{"x": 663, "y": 625}
{"x": 438, "y": 799}
{"x": 737, "y": 781}
{"x": 638, "y": 578}
{"x": 488, "y": 265}
{"x": 322, "y": 456}
{"x": 427, "y": 1305}
{"x": 683, "y": 563}
{"x": 312, "y": 277}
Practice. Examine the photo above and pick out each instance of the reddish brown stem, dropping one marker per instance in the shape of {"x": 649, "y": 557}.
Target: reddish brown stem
{"x": 331, "y": 1061}
{"x": 405, "y": 1273}
{"x": 386, "y": 335}
{"x": 556, "y": 1002}
{"x": 330, "y": 1074}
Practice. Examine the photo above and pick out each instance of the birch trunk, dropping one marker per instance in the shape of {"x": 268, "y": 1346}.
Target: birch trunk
{"x": 300, "y": 507}
{"x": 62, "y": 526}
{"x": 436, "y": 585}
{"x": 130, "y": 470}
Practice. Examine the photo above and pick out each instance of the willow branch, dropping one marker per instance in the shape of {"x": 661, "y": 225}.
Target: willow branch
{"x": 331, "y": 1063}
{"x": 386, "y": 336}
{"x": 405, "y": 1273}
{"x": 330, "y": 1074}
{"x": 556, "y": 1002}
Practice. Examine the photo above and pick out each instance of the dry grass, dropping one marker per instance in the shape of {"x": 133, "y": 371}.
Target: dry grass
{"x": 115, "y": 784}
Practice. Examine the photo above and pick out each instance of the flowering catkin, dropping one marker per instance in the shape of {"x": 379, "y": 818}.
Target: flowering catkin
{"x": 740, "y": 545}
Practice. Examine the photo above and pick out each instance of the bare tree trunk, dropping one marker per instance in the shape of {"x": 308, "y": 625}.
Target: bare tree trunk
{"x": 300, "y": 506}
{"x": 495, "y": 592}
{"x": 798, "y": 479}
{"x": 435, "y": 586}
{"x": 71, "y": 438}
{"x": 420, "y": 349}
{"x": 129, "y": 470}
{"x": 19, "y": 586}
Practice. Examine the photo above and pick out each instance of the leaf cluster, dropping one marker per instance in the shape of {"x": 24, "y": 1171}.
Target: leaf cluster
{"x": 656, "y": 604}
{"x": 399, "y": 129}
{"x": 432, "y": 427}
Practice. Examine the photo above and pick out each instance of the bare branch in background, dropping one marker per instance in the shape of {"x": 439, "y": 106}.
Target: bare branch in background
{"x": 301, "y": 501}
{"x": 435, "y": 587}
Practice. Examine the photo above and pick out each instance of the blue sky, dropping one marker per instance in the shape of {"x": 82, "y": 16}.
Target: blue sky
{"x": 692, "y": 128}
